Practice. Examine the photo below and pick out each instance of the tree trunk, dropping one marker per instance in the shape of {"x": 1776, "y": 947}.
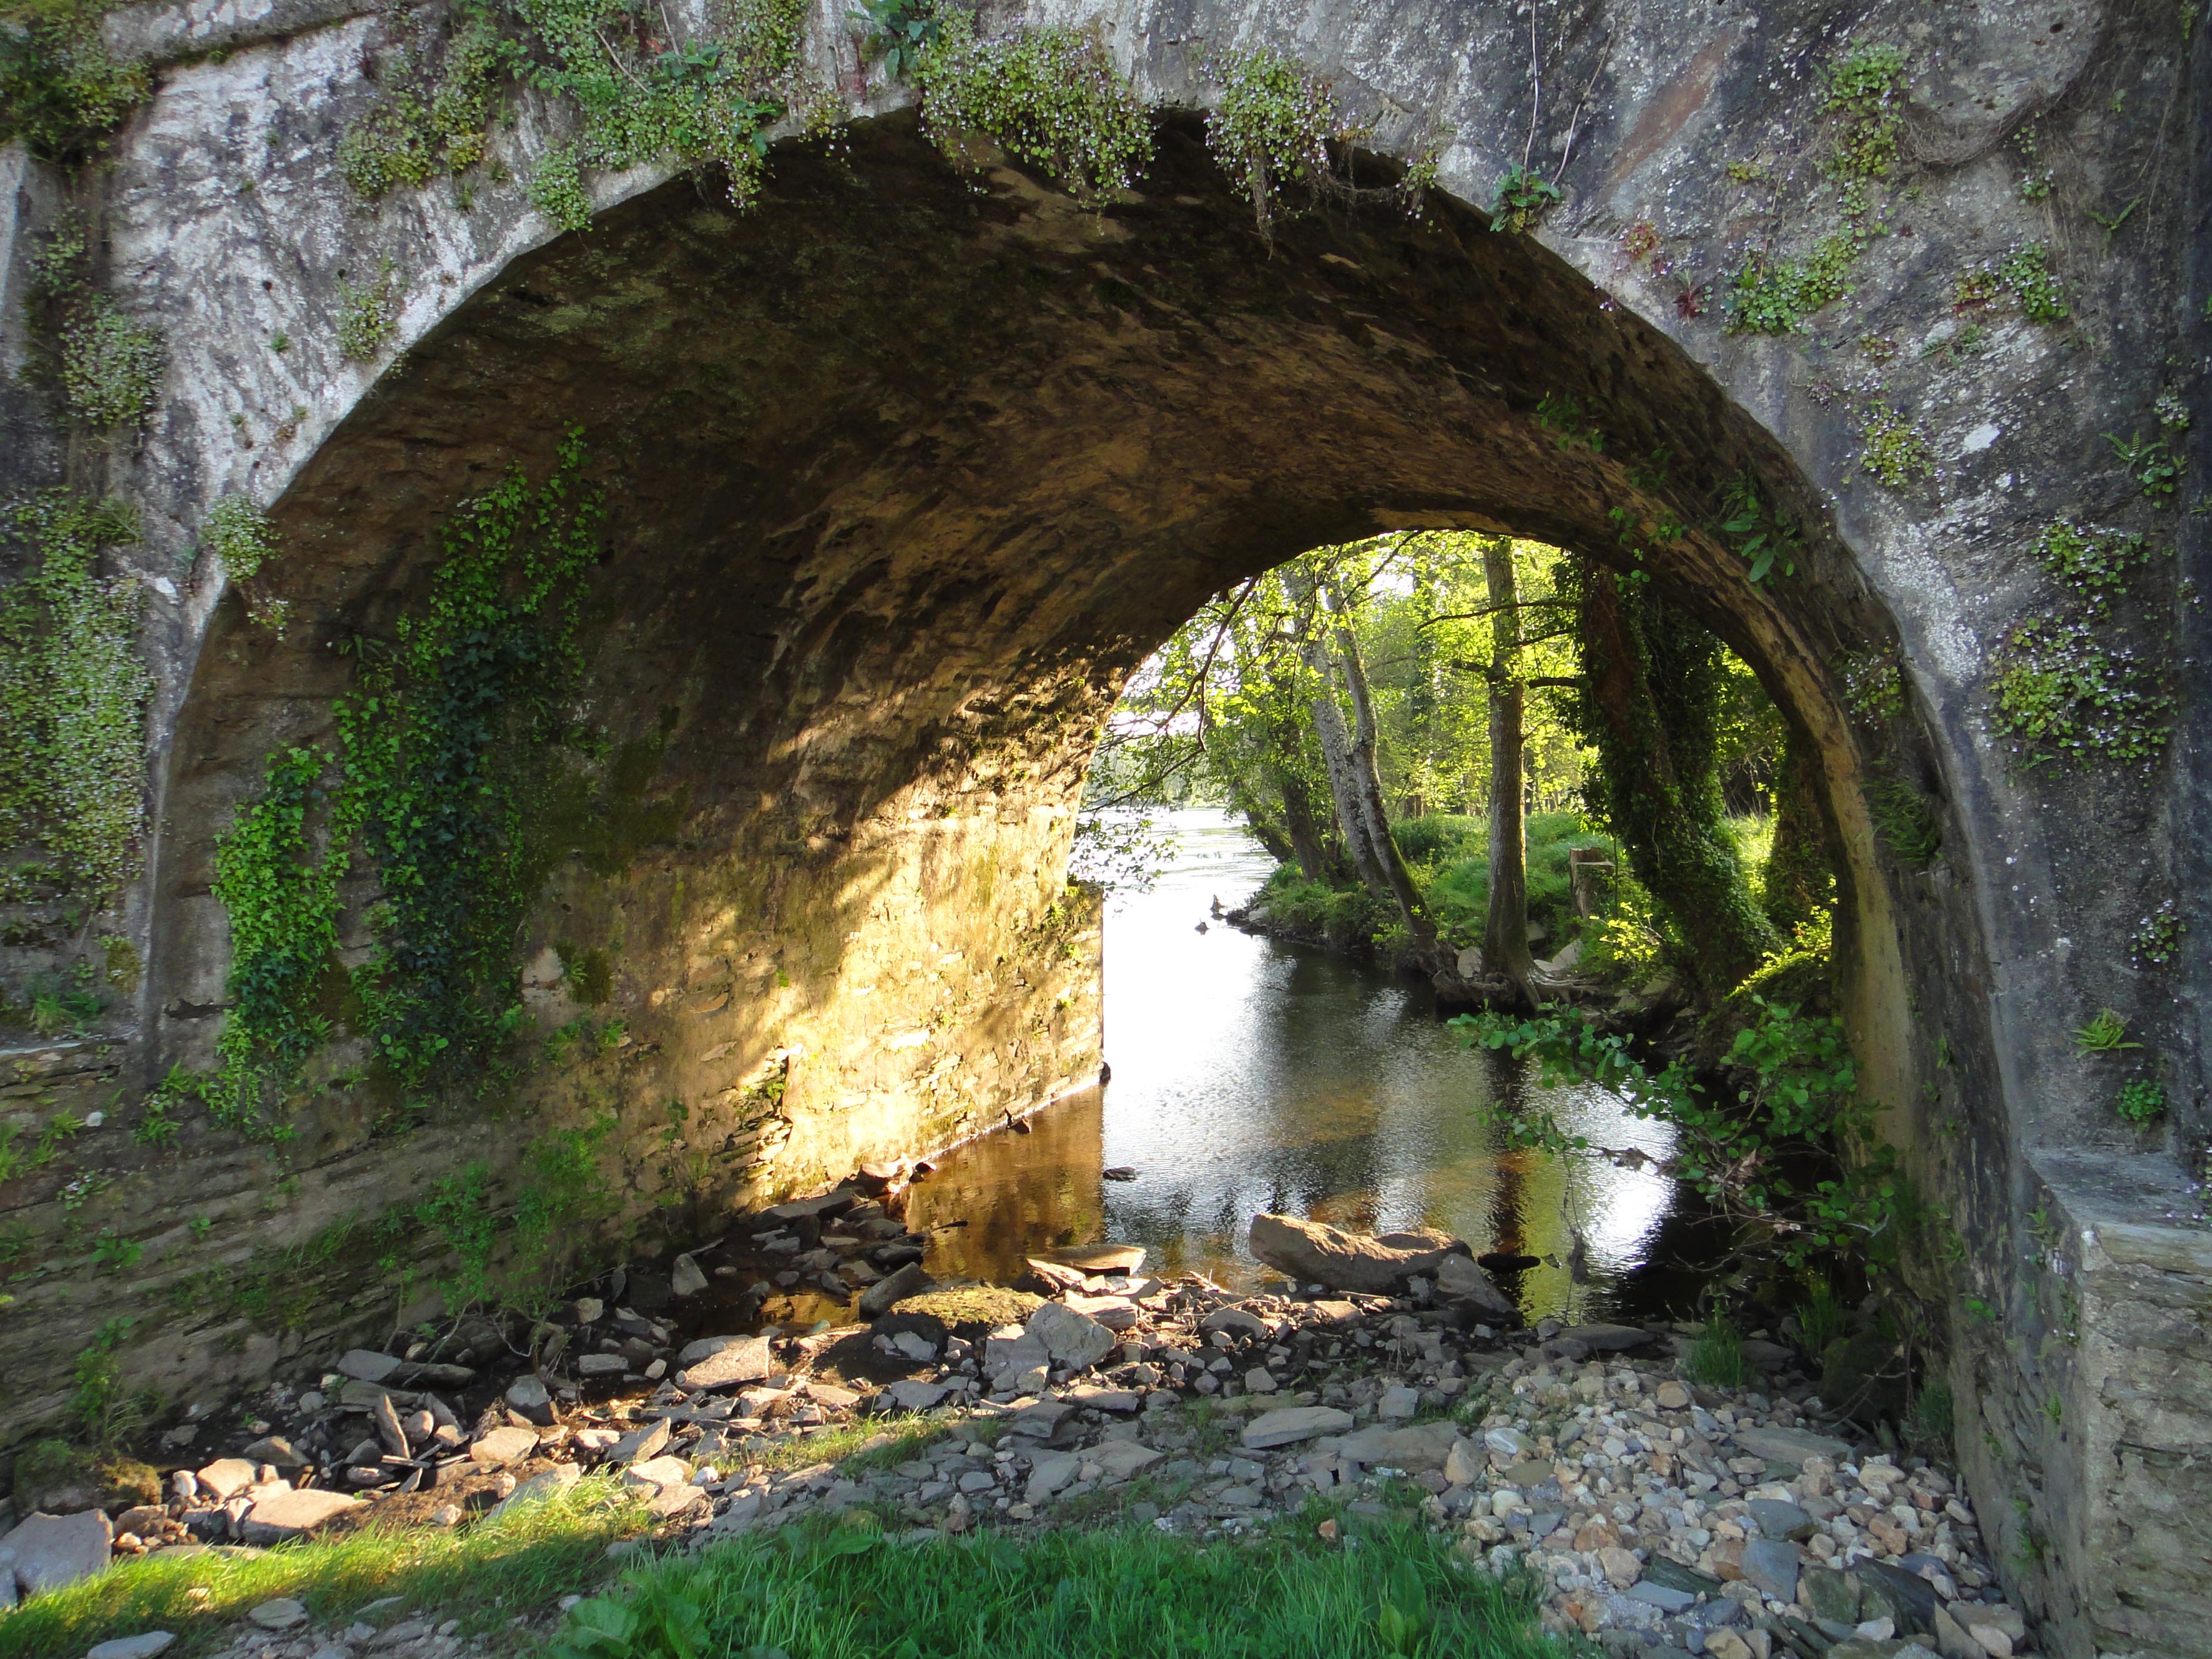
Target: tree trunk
{"x": 1505, "y": 918}
{"x": 1355, "y": 785}
{"x": 1648, "y": 686}
{"x": 1797, "y": 871}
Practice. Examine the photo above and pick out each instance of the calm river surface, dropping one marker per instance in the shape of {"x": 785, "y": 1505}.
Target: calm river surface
{"x": 1248, "y": 1075}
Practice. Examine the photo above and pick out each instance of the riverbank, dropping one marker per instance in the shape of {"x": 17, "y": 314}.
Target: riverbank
{"x": 1651, "y": 1511}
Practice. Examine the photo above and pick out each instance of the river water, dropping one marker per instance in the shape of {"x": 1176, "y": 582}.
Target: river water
{"x": 1248, "y": 1075}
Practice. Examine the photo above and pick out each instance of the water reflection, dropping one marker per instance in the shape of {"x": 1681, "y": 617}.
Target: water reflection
{"x": 1251, "y": 1076}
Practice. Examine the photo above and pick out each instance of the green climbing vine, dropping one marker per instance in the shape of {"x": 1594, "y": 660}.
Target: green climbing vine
{"x": 441, "y": 783}
{"x": 73, "y": 695}
{"x": 1051, "y": 97}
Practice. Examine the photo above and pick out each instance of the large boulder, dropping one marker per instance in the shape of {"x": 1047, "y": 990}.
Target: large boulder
{"x": 48, "y": 1551}
{"x": 1314, "y": 1252}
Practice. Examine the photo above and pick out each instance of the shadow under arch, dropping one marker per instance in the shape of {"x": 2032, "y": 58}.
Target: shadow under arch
{"x": 908, "y": 470}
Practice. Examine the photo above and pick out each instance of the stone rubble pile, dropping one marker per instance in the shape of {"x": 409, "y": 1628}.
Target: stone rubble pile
{"x": 1665, "y": 1518}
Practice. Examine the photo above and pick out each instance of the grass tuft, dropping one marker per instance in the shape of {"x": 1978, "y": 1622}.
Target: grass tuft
{"x": 1717, "y": 1358}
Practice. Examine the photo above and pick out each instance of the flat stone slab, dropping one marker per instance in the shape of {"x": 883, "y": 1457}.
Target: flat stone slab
{"x": 1606, "y": 1339}
{"x": 1292, "y": 1424}
{"x": 741, "y": 1362}
{"x": 914, "y": 1395}
{"x": 227, "y": 1476}
{"x": 640, "y": 1444}
{"x": 47, "y": 1551}
{"x": 1781, "y": 1445}
{"x": 1423, "y": 1446}
{"x": 282, "y": 1515}
{"x": 1075, "y": 1342}
{"x": 1100, "y": 1258}
{"x": 143, "y": 1646}
{"x": 1120, "y": 1459}
{"x": 368, "y": 1365}
{"x": 279, "y": 1613}
{"x": 693, "y": 1352}
{"x": 539, "y": 1487}
{"x": 1771, "y": 1565}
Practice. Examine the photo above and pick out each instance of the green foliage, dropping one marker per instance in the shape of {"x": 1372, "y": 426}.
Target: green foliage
{"x": 238, "y": 532}
{"x": 1716, "y": 1356}
{"x": 113, "y": 1254}
{"x": 1455, "y": 874}
{"x": 1906, "y": 821}
{"x": 1560, "y": 414}
{"x": 2141, "y": 1101}
{"x": 2106, "y": 1032}
{"x": 73, "y": 694}
{"x": 2095, "y": 564}
{"x": 557, "y": 188}
{"x": 368, "y": 314}
{"x": 1520, "y": 200}
{"x": 1897, "y": 451}
{"x": 2026, "y": 273}
{"x": 832, "y": 1590}
{"x": 112, "y": 367}
{"x": 1931, "y": 1422}
{"x": 441, "y": 785}
{"x": 2157, "y": 938}
{"x": 899, "y": 33}
{"x": 1771, "y": 295}
{"x": 1873, "y": 683}
{"x": 1822, "y": 1318}
{"x": 61, "y": 90}
{"x": 1786, "y": 1146}
{"x": 105, "y": 1413}
{"x": 2068, "y": 695}
{"x": 1762, "y": 538}
{"x": 428, "y": 118}
{"x": 1864, "y": 90}
{"x": 1272, "y": 125}
{"x": 2152, "y": 462}
{"x": 1051, "y": 97}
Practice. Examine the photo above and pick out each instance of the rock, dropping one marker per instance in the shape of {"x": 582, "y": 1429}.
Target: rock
{"x": 693, "y": 1352}
{"x": 1039, "y": 1420}
{"x": 550, "y": 1484}
{"x": 601, "y": 1364}
{"x": 1052, "y": 1278}
{"x": 1237, "y": 1322}
{"x": 1398, "y": 1405}
{"x": 278, "y": 1516}
{"x": 528, "y": 1394}
{"x": 1460, "y": 1279}
{"x": 1101, "y": 1258}
{"x": 132, "y": 1646}
{"x": 1620, "y": 1565}
{"x": 271, "y": 1448}
{"x": 1673, "y": 1575}
{"x": 1012, "y": 1355}
{"x": 639, "y": 1445}
{"x": 799, "y": 1209}
{"x": 684, "y": 1277}
{"x": 1792, "y": 1446}
{"x": 226, "y": 1477}
{"x": 1424, "y": 1446}
{"x": 657, "y": 1471}
{"x": 830, "y": 1396}
{"x": 1672, "y": 1396}
{"x": 971, "y": 1310}
{"x": 1726, "y": 1645}
{"x": 366, "y": 1365}
{"x": 1119, "y": 1459}
{"x": 502, "y": 1446}
{"x": 589, "y": 1309}
{"x": 745, "y": 1361}
{"x": 282, "y": 1613}
{"x": 1780, "y": 1520}
{"x": 426, "y": 1375}
{"x": 1606, "y": 1339}
{"x": 914, "y": 1395}
{"x": 1314, "y": 1253}
{"x": 1075, "y": 1342}
{"x": 893, "y": 1288}
{"x": 1465, "y": 1463}
{"x": 1665, "y": 1597}
{"x": 1260, "y": 1380}
{"x": 50, "y": 1551}
{"x": 1507, "y": 1443}
{"x": 1293, "y": 1423}
{"x": 1771, "y": 1564}
{"x": 1829, "y": 1595}
{"x": 1904, "y": 1596}
{"x": 1051, "y": 1471}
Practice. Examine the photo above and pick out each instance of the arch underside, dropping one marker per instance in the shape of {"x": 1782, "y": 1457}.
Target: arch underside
{"x": 907, "y": 469}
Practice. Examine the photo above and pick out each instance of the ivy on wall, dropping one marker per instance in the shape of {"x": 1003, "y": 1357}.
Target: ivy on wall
{"x": 441, "y": 786}
{"x": 73, "y": 696}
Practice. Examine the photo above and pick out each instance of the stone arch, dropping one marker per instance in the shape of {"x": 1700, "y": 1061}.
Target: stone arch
{"x": 908, "y": 470}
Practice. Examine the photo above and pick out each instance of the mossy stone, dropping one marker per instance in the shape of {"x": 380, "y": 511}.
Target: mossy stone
{"x": 972, "y": 1310}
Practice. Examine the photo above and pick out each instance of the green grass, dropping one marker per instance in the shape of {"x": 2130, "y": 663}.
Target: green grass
{"x": 851, "y": 1447}
{"x": 484, "y": 1575}
{"x": 1717, "y": 1360}
{"x": 847, "y": 1592}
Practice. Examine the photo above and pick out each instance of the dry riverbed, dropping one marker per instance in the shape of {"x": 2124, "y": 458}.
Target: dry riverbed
{"x": 1661, "y": 1518}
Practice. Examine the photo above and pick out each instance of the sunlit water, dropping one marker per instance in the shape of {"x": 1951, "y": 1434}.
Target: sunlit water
{"x": 1251, "y": 1076}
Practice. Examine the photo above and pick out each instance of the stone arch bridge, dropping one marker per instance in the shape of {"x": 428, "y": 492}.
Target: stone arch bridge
{"x": 906, "y": 467}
